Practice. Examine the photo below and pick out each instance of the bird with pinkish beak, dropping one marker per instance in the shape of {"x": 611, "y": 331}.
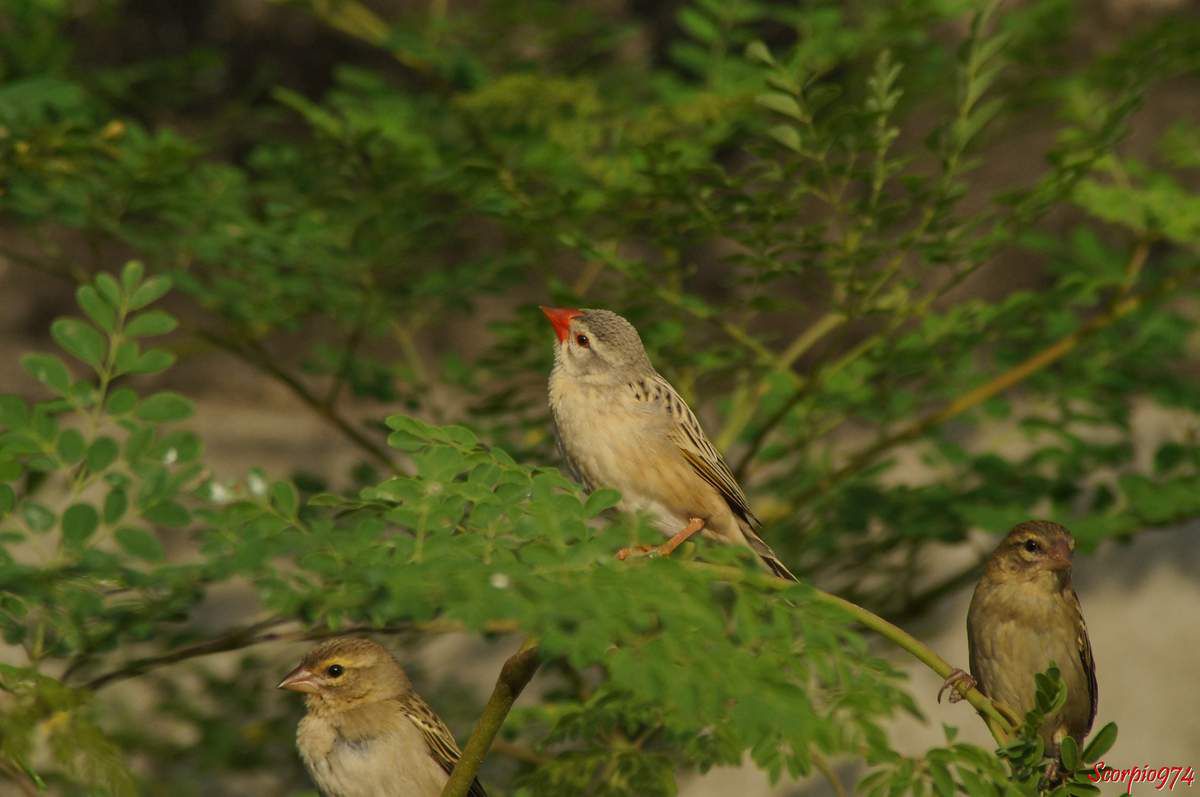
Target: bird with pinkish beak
{"x": 1023, "y": 616}
{"x": 367, "y": 733}
{"x": 621, "y": 425}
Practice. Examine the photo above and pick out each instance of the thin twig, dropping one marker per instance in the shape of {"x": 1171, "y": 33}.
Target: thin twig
{"x": 1126, "y": 304}
{"x": 346, "y": 365}
{"x": 830, "y": 774}
{"x": 514, "y": 675}
{"x": 804, "y": 388}
{"x": 255, "y": 355}
{"x": 591, "y": 271}
{"x": 741, "y": 414}
{"x": 234, "y": 639}
{"x": 256, "y": 634}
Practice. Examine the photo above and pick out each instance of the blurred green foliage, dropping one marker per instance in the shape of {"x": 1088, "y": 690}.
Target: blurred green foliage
{"x": 808, "y": 210}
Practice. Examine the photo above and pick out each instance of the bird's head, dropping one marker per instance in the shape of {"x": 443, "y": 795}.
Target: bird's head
{"x": 596, "y": 346}
{"x": 1035, "y": 549}
{"x": 345, "y": 672}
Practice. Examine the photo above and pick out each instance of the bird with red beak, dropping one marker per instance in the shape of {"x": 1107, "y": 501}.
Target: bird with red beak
{"x": 622, "y": 425}
{"x": 560, "y": 319}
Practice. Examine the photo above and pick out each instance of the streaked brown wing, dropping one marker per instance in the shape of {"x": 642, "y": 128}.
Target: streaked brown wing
{"x": 438, "y": 739}
{"x": 700, "y": 453}
{"x": 1084, "y": 644}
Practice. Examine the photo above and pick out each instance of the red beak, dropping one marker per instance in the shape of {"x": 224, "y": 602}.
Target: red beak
{"x": 561, "y": 317}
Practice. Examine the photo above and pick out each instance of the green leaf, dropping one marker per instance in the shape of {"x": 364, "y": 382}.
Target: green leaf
{"x": 601, "y": 500}
{"x": 152, "y": 361}
{"x": 115, "y": 504}
{"x": 284, "y": 498}
{"x": 78, "y": 523}
{"x": 164, "y": 406}
{"x": 49, "y": 370}
{"x": 36, "y": 516}
{"x": 14, "y": 412}
{"x": 131, "y": 276}
{"x": 1068, "y": 749}
{"x": 108, "y": 288}
{"x": 757, "y": 51}
{"x": 80, "y": 339}
{"x": 1101, "y": 743}
{"x": 786, "y": 135}
{"x": 781, "y": 103}
{"x": 151, "y": 322}
{"x": 460, "y": 436}
{"x": 101, "y": 453}
{"x": 150, "y": 291}
{"x": 943, "y": 783}
{"x": 70, "y": 446}
{"x": 139, "y": 543}
{"x": 121, "y": 401}
{"x": 96, "y": 307}
{"x": 700, "y": 26}
{"x": 8, "y": 499}
{"x": 126, "y": 357}
{"x": 10, "y": 469}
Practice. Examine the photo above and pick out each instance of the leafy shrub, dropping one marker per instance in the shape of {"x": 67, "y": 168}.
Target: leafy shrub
{"x": 796, "y": 206}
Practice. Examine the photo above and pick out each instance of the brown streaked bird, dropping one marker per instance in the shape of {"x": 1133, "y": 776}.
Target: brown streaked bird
{"x": 1023, "y": 616}
{"x": 367, "y": 733}
{"x": 621, "y": 425}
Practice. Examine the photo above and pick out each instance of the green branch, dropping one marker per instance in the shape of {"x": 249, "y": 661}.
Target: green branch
{"x": 514, "y": 675}
{"x": 1002, "y": 731}
{"x": 1124, "y": 304}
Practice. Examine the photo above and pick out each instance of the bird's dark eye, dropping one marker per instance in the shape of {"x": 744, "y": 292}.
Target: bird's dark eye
{"x": 1032, "y": 546}
{"x": 334, "y": 670}
{"x": 583, "y": 341}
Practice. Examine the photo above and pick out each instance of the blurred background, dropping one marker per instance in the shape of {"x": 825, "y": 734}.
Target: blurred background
{"x": 923, "y": 268}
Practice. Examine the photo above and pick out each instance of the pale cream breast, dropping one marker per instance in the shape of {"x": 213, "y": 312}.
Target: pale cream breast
{"x": 394, "y": 762}
{"x": 613, "y": 440}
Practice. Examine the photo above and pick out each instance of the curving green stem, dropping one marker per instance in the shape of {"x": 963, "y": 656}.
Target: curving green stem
{"x": 999, "y": 726}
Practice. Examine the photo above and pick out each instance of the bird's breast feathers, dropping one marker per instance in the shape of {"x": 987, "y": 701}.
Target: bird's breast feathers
{"x": 388, "y": 762}
{"x": 1016, "y": 631}
{"x": 615, "y": 438}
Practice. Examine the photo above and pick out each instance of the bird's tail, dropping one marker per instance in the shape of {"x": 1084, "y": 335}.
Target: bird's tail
{"x": 767, "y": 556}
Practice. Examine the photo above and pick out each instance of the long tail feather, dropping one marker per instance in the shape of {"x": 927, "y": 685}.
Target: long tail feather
{"x": 767, "y": 556}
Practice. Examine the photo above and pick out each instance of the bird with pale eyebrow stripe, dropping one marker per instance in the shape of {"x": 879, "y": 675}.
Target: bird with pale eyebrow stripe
{"x": 622, "y": 425}
{"x": 366, "y": 732}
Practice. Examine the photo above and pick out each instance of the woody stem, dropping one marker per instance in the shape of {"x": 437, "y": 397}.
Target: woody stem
{"x": 517, "y": 671}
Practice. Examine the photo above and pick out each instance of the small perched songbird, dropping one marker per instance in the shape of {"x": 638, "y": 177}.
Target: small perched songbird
{"x": 621, "y": 425}
{"x": 1025, "y": 615}
{"x": 366, "y": 733}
